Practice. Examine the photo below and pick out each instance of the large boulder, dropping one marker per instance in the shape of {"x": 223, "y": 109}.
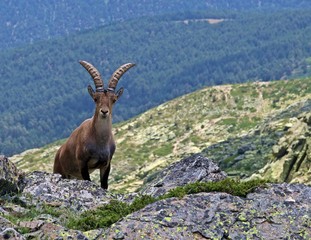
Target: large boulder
{"x": 78, "y": 195}
{"x": 40, "y": 190}
{"x": 195, "y": 168}
{"x": 290, "y": 160}
{"x": 9, "y": 176}
{"x": 281, "y": 211}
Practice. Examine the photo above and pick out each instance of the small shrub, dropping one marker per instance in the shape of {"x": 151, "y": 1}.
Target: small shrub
{"x": 101, "y": 217}
{"x": 164, "y": 150}
{"x": 228, "y": 185}
{"x": 228, "y": 121}
{"x": 141, "y": 202}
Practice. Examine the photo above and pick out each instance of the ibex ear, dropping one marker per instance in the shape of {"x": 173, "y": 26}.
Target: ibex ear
{"x": 91, "y": 91}
{"x": 119, "y": 92}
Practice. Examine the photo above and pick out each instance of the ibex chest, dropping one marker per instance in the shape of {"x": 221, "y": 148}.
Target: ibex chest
{"x": 100, "y": 157}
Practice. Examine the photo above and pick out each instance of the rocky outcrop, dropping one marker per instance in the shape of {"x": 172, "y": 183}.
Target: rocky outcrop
{"x": 51, "y": 189}
{"x": 290, "y": 160}
{"x": 277, "y": 149}
{"x": 41, "y": 190}
{"x": 9, "y": 176}
{"x": 281, "y": 210}
{"x": 195, "y": 168}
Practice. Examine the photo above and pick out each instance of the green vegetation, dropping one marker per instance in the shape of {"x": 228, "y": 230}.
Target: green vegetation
{"x": 228, "y": 121}
{"x": 228, "y": 185}
{"x": 108, "y": 214}
{"x": 164, "y": 150}
{"x": 51, "y": 98}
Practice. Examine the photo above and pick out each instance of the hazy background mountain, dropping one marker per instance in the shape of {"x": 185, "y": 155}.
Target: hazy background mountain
{"x": 43, "y": 89}
{"x": 23, "y": 22}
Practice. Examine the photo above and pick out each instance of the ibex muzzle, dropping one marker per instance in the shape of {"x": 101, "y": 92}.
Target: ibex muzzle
{"x": 91, "y": 145}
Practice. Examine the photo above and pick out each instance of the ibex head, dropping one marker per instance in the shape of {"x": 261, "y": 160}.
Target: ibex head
{"x": 105, "y": 98}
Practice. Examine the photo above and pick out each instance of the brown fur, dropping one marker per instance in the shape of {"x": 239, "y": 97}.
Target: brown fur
{"x": 91, "y": 145}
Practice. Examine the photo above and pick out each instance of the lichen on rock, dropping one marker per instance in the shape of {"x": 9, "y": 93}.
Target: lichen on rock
{"x": 41, "y": 187}
{"x": 291, "y": 156}
{"x": 9, "y": 176}
{"x": 281, "y": 210}
{"x": 195, "y": 168}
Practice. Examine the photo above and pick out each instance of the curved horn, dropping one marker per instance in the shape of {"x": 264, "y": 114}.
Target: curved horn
{"x": 95, "y": 75}
{"x": 113, "y": 81}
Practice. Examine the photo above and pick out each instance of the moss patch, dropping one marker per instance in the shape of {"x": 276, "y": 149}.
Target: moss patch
{"x": 106, "y": 215}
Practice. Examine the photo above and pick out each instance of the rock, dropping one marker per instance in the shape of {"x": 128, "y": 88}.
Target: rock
{"x": 41, "y": 189}
{"x": 291, "y": 156}
{"x": 32, "y": 225}
{"x": 195, "y": 168}
{"x": 245, "y": 148}
{"x": 11, "y": 233}
{"x": 282, "y": 210}
{"x": 4, "y": 223}
{"x": 279, "y": 151}
{"x": 9, "y": 176}
{"x": 51, "y": 189}
{"x": 54, "y": 231}
{"x": 8, "y": 231}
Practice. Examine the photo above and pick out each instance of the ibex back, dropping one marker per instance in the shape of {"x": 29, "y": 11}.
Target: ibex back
{"x": 91, "y": 145}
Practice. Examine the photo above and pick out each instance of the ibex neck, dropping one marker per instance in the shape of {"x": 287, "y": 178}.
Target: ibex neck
{"x": 102, "y": 128}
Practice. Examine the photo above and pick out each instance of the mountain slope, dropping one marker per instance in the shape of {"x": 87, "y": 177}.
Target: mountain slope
{"x": 43, "y": 87}
{"x": 190, "y": 124}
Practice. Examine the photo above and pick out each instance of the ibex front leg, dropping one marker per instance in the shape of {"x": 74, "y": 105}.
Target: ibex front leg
{"x": 104, "y": 173}
{"x": 84, "y": 170}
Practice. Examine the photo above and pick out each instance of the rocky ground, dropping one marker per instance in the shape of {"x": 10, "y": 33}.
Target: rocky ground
{"x": 279, "y": 149}
{"x": 277, "y": 211}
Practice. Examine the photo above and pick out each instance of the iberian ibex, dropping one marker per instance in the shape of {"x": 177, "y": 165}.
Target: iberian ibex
{"x": 91, "y": 145}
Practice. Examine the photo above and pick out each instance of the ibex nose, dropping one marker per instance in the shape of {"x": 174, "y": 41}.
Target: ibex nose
{"x": 104, "y": 112}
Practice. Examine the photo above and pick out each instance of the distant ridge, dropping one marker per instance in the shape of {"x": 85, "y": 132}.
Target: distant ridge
{"x": 28, "y": 22}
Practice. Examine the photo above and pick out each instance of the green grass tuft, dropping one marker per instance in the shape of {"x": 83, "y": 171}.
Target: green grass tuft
{"x": 106, "y": 215}
{"x": 103, "y": 216}
{"x": 228, "y": 185}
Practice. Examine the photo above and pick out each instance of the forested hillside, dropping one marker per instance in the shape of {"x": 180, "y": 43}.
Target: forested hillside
{"x": 43, "y": 88}
{"x": 24, "y": 22}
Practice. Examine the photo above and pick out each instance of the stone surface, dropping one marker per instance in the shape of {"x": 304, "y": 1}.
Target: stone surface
{"x": 8, "y": 230}
{"x": 291, "y": 155}
{"x": 195, "y": 168}
{"x": 9, "y": 176}
{"x": 281, "y": 211}
{"x": 41, "y": 187}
